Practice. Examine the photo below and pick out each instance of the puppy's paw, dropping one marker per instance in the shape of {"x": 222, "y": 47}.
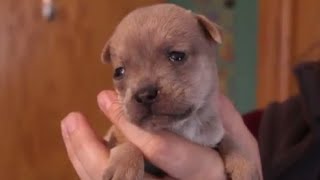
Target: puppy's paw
{"x": 239, "y": 168}
{"x": 125, "y": 163}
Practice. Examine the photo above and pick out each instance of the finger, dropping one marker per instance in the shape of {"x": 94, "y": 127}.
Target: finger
{"x": 158, "y": 147}
{"x": 82, "y": 173}
{"x": 84, "y": 145}
{"x": 238, "y": 131}
{"x": 232, "y": 119}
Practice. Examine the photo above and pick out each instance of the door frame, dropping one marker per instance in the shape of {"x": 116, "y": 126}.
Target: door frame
{"x": 274, "y": 50}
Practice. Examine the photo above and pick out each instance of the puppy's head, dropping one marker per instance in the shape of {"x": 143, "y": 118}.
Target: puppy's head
{"x": 164, "y": 66}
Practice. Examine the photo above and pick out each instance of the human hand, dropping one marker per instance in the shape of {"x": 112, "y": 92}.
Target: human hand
{"x": 238, "y": 133}
{"x": 89, "y": 156}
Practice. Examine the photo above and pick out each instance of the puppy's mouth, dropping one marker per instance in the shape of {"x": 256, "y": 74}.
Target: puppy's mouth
{"x": 172, "y": 116}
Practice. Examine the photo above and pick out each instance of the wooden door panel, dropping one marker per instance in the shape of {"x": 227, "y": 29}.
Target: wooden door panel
{"x": 289, "y": 33}
{"x": 306, "y": 31}
{"x": 48, "y": 69}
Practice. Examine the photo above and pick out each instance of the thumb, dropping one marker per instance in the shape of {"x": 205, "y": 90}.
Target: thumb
{"x": 110, "y": 105}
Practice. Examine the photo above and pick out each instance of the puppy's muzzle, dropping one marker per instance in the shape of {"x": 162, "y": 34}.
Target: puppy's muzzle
{"x": 147, "y": 95}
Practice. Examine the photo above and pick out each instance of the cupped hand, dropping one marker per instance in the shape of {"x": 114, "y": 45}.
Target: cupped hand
{"x": 179, "y": 158}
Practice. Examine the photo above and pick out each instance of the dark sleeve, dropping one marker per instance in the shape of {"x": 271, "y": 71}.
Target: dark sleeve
{"x": 289, "y": 135}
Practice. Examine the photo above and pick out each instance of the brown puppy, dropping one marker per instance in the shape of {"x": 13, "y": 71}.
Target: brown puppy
{"x": 166, "y": 77}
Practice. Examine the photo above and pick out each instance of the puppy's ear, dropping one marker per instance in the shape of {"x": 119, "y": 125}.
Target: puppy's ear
{"x": 211, "y": 29}
{"x": 105, "y": 55}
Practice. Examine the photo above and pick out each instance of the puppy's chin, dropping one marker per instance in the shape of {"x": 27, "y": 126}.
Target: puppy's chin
{"x": 154, "y": 121}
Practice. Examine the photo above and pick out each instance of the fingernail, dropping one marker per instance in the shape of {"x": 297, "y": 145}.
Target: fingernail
{"x": 69, "y": 124}
{"x": 104, "y": 101}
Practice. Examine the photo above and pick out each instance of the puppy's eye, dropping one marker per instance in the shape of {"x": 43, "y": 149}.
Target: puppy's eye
{"x": 176, "y": 56}
{"x": 118, "y": 73}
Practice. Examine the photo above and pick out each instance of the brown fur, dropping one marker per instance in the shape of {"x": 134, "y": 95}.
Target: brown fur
{"x": 188, "y": 91}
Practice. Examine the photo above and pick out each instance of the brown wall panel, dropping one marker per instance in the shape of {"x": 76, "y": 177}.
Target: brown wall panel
{"x": 48, "y": 69}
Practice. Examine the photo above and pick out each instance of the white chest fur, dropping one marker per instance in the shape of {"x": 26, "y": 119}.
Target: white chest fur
{"x": 207, "y": 132}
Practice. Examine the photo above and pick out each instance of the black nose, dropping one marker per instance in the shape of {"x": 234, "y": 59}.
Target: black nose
{"x": 147, "y": 95}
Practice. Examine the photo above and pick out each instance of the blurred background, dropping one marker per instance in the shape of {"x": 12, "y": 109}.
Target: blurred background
{"x": 50, "y": 65}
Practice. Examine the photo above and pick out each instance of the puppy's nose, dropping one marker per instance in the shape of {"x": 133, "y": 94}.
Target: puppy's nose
{"x": 147, "y": 95}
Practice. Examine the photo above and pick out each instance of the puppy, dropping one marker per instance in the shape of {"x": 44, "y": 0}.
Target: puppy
{"x": 166, "y": 78}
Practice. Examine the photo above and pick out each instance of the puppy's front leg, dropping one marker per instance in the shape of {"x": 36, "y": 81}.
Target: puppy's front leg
{"x": 238, "y": 163}
{"x": 126, "y": 163}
